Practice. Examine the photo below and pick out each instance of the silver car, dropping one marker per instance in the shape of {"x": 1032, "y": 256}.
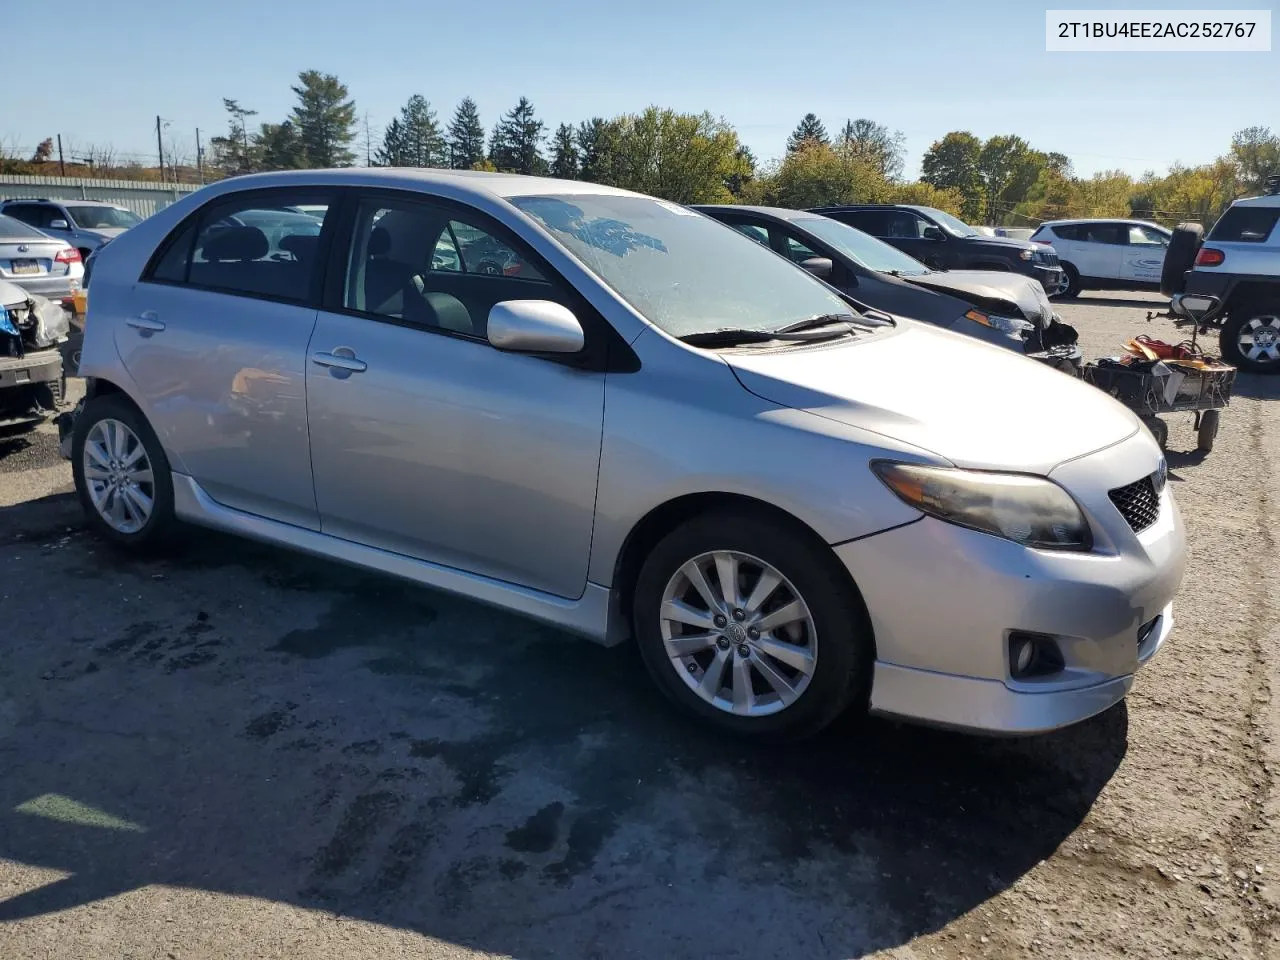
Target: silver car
{"x": 38, "y": 263}
{"x": 85, "y": 224}
{"x": 644, "y": 424}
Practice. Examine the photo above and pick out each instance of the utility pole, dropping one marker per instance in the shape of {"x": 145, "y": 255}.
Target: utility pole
{"x": 199, "y": 157}
{"x": 368, "y": 142}
{"x": 62, "y": 165}
{"x": 159, "y": 148}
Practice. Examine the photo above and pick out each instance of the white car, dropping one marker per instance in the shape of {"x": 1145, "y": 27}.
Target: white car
{"x": 1106, "y": 254}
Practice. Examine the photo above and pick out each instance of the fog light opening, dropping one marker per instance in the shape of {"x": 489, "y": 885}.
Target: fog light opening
{"x": 1033, "y": 655}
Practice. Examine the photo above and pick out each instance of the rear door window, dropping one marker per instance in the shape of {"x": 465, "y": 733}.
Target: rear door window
{"x": 1246, "y": 225}
{"x": 258, "y": 245}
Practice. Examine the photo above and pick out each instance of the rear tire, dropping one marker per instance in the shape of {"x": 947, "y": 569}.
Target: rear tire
{"x": 724, "y": 673}
{"x": 121, "y": 474}
{"x": 1250, "y": 339}
{"x": 1072, "y": 289}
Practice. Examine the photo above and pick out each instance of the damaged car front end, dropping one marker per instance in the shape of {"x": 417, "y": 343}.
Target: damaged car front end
{"x": 32, "y": 380}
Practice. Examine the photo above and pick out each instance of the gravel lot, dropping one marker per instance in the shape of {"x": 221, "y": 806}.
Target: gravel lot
{"x": 237, "y": 752}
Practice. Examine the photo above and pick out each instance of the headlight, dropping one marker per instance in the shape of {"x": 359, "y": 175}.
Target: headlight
{"x": 1011, "y": 325}
{"x": 1032, "y": 511}
{"x": 1026, "y": 254}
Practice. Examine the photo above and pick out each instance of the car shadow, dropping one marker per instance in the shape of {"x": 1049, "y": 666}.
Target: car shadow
{"x": 1096, "y": 301}
{"x": 1257, "y": 386}
{"x": 236, "y": 719}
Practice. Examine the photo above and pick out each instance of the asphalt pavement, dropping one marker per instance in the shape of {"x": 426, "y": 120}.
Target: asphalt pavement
{"x": 232, "y": 751}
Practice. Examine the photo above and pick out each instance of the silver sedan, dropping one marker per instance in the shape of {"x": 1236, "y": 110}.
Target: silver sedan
{"x": 641, "y": 424}
{"x": 39, "y": 264}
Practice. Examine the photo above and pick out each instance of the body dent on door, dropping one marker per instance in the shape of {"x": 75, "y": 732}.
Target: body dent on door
{"x": 220, "y": 378}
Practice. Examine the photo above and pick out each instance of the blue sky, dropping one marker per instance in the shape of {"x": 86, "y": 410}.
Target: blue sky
{"x": 920, "y": 67}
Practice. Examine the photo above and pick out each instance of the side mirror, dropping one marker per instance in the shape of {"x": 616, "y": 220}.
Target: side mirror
{"x": 820, "y": 267}
{"x": 58, "y": 225}
{"x": 932, "y": 233}
{"x": 534, "y": 326}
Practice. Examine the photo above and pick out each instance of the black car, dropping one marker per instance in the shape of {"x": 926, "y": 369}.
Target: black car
{"x": 1001, "y": 308}
{"x": 946, "y": 243}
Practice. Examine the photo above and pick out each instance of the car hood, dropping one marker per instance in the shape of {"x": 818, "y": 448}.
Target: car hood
{"x": 106, "y": 233}
{"x": 973, "y": 404}
{"x": 990, "y": 289}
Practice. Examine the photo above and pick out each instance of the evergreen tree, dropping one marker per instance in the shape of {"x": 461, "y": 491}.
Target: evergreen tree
{"x": 596, "y": 142}
{"x": 392, "y": 151}
{"x": 325, "y": 119}
{"x": 280, "y": 146}
{"x": 465, "y": 141}
{"x": 810, "y": 130}
{"x": 517, "y": 139}
{"x": 564, "y": 153}
{"x": 233, "y": 154}
{"x": 423, "y": 143}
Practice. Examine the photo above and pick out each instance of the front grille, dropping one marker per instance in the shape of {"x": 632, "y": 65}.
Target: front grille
{"x": 1138, "y": 503}
{"x": 1044, "y": 256}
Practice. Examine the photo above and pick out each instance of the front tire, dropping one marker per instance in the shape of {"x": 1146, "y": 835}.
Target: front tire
{"x": 121, "y": 474}
{"x": 745, "y": 623}
{"x": 1250, "y": 339}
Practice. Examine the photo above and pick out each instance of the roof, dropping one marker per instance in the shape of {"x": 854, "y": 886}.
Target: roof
{"x": 778, "y": 213}
{"x": 1144, "y": 223}
{"x": 1267, "y": 200}
{"x": 502, "y": 185}
{"x": 64, "y": 201}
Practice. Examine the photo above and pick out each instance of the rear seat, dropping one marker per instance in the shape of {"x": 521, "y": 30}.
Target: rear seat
{"x": 237, "y": 259}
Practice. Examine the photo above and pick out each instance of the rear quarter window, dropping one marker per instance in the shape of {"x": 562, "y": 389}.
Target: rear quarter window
{"x": 1245, "y": 225}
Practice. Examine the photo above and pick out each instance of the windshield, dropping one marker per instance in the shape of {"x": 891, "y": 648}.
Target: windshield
{"x": 867, "y": 250}
{"x": 103, "y": 218}
{"x": 680, "y": 270}
{"x": 950, "y": 223}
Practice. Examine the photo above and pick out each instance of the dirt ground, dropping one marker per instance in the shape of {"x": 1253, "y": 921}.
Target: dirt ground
{"x": 236, "y": 752}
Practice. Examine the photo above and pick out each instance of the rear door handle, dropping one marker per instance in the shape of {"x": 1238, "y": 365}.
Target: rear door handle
{"x": 147, "y": 320}
{"x": 342, "y": 358}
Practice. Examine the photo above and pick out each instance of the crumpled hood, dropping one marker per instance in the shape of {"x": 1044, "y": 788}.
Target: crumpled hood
{"x": 992, "y": 286}
{"x": 973, "y": 404}
{"x": 11, "y": 294}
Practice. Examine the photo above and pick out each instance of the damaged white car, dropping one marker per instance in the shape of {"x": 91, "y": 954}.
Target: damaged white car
{"x": 32, "y": 381}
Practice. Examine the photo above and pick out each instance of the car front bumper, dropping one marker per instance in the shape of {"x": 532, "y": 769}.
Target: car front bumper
{"x": 44, "y": 366}
{"x": 944, "y": 600}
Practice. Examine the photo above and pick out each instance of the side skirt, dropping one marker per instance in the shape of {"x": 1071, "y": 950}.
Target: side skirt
{"x": 587, "y": 616}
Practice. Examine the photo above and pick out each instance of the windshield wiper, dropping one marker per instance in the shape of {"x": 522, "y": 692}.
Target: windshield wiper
{"x": 821, "y": 321}
{"x": 732, "y": 336}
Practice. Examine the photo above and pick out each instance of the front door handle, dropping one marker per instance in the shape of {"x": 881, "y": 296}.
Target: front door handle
{"x": 147, "y": 320}
{"x": 342, "y": 358}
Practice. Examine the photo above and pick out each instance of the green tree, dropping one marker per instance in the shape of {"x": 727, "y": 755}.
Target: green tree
{"x": 684, "y": 157}
{"x": 280, "y": 146}
{"x": 465, "y": 137}
{"x": 1008, "y": 168}
{"x": 516, "y": 143}
{"x": 743, "y": 172}
{"x": 809, "y": 130}
{"x": 564, "y": 153}
{"x": 423, "y": 144}
{"x": 952, "y": 164}
{"x": 816, "y": 175}
{"x": 1256, "y": 152}
{"x": 392, "y": 152}
{"x": 876, "y": 144}
{"x": 234, "y": 154}
{"x": 597, "y": 147}
{"x": 325, "y": 118}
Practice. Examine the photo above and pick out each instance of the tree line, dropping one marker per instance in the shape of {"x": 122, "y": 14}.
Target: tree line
{"x": 698, "y": 158}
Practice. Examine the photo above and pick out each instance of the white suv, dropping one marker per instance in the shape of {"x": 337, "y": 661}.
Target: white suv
{"x": 1231, "y": 279}
{"x": 1106, "y": 254}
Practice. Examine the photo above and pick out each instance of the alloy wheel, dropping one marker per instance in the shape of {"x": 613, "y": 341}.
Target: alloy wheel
{"x": 1259, "y": 339}
{"x": 118, "y": 475}
{"x": 738, "y": 633}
